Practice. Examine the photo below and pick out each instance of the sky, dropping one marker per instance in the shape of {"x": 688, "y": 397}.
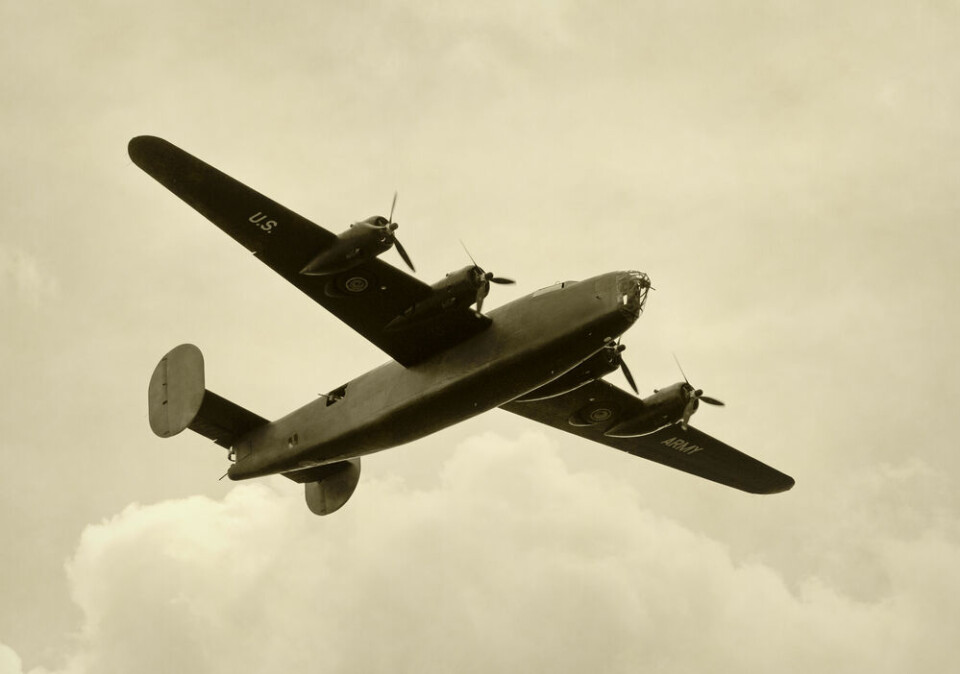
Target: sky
{"x": 787, "y": 174}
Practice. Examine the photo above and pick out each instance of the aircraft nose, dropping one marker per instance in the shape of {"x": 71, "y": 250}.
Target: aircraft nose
{"x": 633, "y": 286}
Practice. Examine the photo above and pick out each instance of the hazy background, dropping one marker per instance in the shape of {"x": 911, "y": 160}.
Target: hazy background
{"x": 786, "y": 172}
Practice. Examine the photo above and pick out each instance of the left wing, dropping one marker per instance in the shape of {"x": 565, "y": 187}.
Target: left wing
{"x": 597, "y": 406}
{"x": 366, "y": 297}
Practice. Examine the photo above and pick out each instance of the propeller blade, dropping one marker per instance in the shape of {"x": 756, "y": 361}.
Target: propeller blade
{"x": 403, "y": 253}
{"x": 695, "y": 396}
{"x": 616, "y": 358}
{"x": 483, "y": 279}
{"x": 467, "y": 251}
{"x": 487, "y": 276}
{"x": 628, "y": 376}
{"x": 677, "y": 361}
{"x": 392, "y": 206}
{"x": 687, "y": 413}
{"x": 482, "y": 291}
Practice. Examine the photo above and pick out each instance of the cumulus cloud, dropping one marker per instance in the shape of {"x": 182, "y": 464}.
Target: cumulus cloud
{"x": 512, "y": 562}
{"x": 9, "y": 661}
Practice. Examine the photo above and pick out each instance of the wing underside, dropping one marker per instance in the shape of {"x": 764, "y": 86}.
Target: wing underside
{"x": 598, "y": 406}
{"x": 366, "y": 297}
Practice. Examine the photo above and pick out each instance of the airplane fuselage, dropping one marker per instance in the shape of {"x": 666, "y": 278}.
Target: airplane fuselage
{"x": 531, "y": 341}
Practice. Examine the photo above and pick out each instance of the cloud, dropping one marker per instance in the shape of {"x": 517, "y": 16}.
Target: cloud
{"x": 9, "y": 661}
{"x": 22, "y": 277}
{"x": 510, "y": 563}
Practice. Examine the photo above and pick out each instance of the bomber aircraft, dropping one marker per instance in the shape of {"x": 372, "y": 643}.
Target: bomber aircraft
{"x": 542, "y": 356}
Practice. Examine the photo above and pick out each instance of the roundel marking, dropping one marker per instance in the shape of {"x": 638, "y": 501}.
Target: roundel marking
{"x": 356, "y": 284}
{"x": 600, "y": 414}
{"x": 595, "y": 412}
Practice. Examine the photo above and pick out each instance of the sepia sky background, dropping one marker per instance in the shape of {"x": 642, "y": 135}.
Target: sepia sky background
{"x": 786, "y": 172}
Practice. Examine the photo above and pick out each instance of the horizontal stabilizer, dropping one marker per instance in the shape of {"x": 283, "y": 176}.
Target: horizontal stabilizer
{"x": 178, "y": 399}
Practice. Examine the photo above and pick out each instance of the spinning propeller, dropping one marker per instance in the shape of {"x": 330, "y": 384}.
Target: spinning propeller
{"x": 694, "y": 396}
{"x": 483, "y": 279}
{"x": 390, "y": 229}
{"x": 616, "y": 358}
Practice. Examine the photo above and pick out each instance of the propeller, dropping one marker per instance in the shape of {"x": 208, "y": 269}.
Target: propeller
{"x": 694, "y": 396}
{"x": 484, "y": 279}
{"x": 391, "y": 229}
{"x": 616, "y": 359}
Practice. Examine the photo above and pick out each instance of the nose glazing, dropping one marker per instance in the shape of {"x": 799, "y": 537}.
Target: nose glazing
{"x": 633, "y": 286}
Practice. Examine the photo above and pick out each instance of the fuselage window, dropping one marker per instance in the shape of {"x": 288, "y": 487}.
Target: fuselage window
{"x": 555, "y": 286}
{"x": 548, "y": 289}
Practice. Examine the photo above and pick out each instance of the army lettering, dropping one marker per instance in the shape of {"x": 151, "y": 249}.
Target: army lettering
{"x": 682, "y": 445}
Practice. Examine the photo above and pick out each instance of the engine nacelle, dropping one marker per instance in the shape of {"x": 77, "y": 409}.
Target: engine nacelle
{"x": 364, "y": 241}
{"x": 664, "y": 408}
{"x": 456, "y": 289}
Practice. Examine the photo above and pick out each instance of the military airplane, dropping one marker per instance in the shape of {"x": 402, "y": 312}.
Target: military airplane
{"x": 542, "y": 356}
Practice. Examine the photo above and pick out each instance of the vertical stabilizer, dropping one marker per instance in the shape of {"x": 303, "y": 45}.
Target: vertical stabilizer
{"x": 177, "y": 399}
{"x": 328, "y": 487}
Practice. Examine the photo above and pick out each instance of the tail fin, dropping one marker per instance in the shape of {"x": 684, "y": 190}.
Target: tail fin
{"x": 329, "y": 486}
{"x": 178, "y": 399}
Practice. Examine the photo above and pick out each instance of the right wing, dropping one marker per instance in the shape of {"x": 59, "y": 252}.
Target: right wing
{"x": 597, "y": 406}
{"x": 366, "y": 297}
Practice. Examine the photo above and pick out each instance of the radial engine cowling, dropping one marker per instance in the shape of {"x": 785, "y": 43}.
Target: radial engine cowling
{"x": 674, "y": 404}
{"x": 458, "y": 289}
{"x": 664, "y": 408}
{"x": 361, "y": 243}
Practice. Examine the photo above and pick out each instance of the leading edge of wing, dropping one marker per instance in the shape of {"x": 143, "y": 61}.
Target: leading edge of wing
{"x": 280, "y": 238}
{"x": 691, "y": 450}
{"x": 366, "y": 297}
{"x": 225, "y": 202}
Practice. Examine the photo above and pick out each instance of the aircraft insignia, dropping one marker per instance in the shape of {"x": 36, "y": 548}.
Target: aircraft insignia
{"x": 262, "y": 221}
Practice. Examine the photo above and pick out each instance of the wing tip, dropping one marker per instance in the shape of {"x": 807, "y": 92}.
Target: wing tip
{"x": 141, "y": 148}
{"x": 778, "y": 485}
